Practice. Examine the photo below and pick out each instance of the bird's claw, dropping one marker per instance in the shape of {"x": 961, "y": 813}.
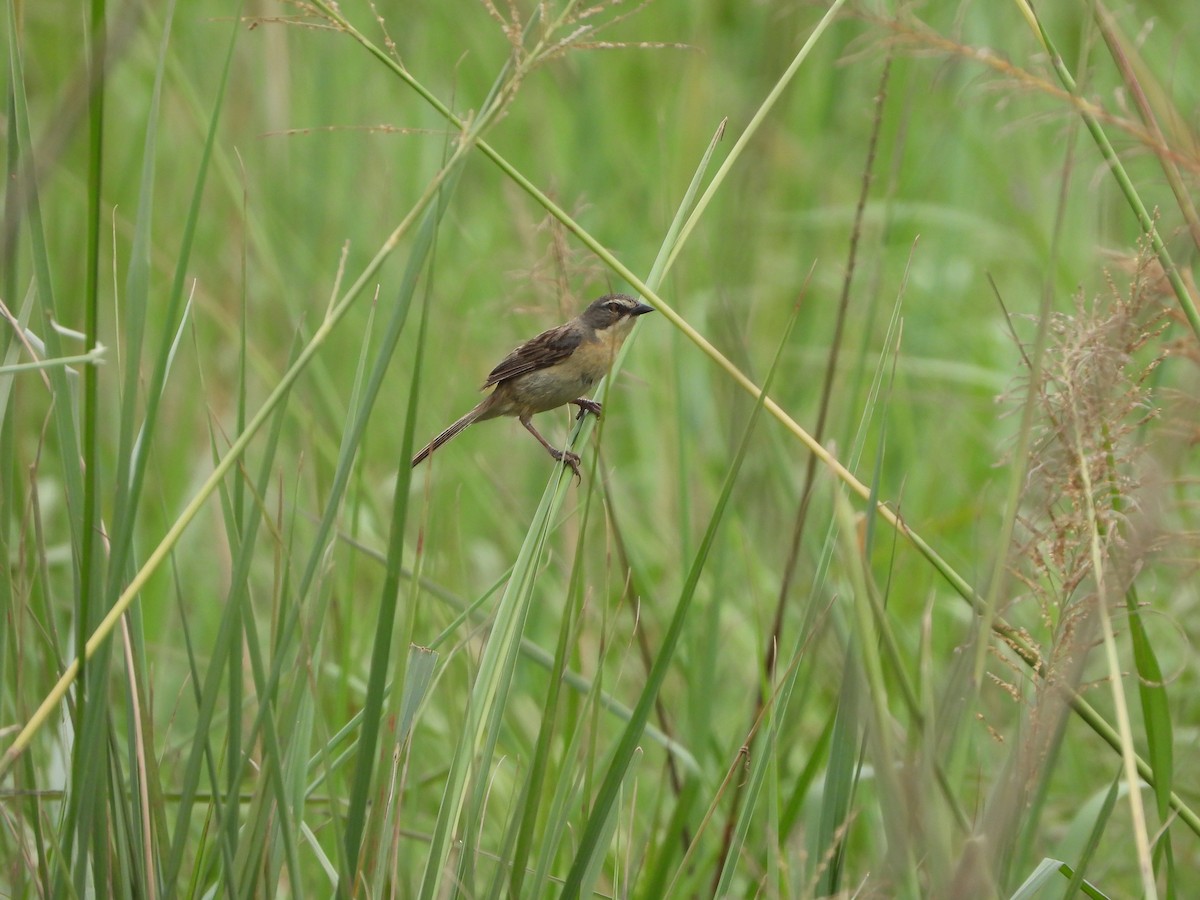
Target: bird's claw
{"x": 587, "y": 406}
{"x": 567, "y": 458}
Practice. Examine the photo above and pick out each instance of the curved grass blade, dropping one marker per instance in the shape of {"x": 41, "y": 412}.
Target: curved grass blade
{"x": 1048, "y": 872}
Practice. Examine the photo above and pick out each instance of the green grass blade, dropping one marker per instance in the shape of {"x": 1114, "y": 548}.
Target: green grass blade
{"x": 828, "y": 845}
{"x": 1156, "y": 719}
{"x": 764, "y": 761}
{"x": 1048, "y": 873}
{"x": 487, "y": 694}
{"x": 24, "y": 198}
{"x": 91, "y": 563}
{"x": 381, "y": 651}
{"x": 1100, "y": 823}
{"x": 592, "y": 848}
{"x": 530, "y": 804}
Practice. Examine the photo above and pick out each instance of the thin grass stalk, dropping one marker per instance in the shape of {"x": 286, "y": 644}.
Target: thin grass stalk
{"x": 764, "y": 758}
{"x": 313, "y": 651}
{"x": 93, "y": 357}
{"x": 828, "y": 841}
{"x": 89, "y": 811}
{"x": 818, "y": 752}
{"x": 531, "y": 799}
{"x": 114, "y": 859}
{"x": 886, "y": 639}
{"x": 477, "y": 810}
{"x": 270, "y": 784}
{"x": 488, "y": 692}
{"x": 590, "y": 851}
{"x": 91, "y": 571}
{"x": 420, "y": 671}
{"x": 1113, "y": 162}
{"x": 656, "y": 869}
{"x": 1152, "y": 691}
{"x": 1093, "y": 841}
{"x": 760, "y": 116}
{"x": 1117, "y": 50}
{"x": 1156, "y": 719}
{"x": 866, "y": 636}
{"x": 141, "y": 750}
{"x": 239, "y": 525}
{"x": 823, "y": 406}
{"x": 274, "y": 810}
{"x": 1050, "y": 872}
{"x": 564, "y": 802}
{"x": 228, "y": 827}
{"x": 827, "y": 844}
{"x": 9, "y": 512}
{"x": 9, "y": 236}
{"x": 635, "y": 585}
{"x": 137, "y": 280}
{"x": 381, "y": 651}
{"x": 216, "y": 800}
{"x": 46, "y": 843}
{"x": 293, "y": 777}
{"x": 1128, "y": 755}
{"x": 207, "y": 688}
{"x": 21, "y": 147}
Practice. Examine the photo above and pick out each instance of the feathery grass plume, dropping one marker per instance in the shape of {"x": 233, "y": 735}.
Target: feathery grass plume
{"x": 1093, "y": 393}
{"x": 1081, "y": 539}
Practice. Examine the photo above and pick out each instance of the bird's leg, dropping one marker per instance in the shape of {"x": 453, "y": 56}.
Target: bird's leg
{"x": 587, "y": 406}
{"x": 566, "y": 457}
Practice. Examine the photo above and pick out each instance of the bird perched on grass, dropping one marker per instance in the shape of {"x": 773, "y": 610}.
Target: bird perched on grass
{"x": 557, "y": 367}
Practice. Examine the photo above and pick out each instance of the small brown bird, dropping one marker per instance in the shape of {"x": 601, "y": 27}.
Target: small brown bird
{"x": 555, "y": 368}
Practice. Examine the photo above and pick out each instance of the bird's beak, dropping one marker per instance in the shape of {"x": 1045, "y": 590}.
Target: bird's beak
{"x": 641, "y": 309}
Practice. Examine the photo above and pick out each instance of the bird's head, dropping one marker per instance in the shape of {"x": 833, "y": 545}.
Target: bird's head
{"x": 613, "y": 309}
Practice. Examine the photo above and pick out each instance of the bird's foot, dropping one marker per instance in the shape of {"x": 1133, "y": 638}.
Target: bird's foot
{"x": 567, "y": 458}
{"x": 588, "y": 406}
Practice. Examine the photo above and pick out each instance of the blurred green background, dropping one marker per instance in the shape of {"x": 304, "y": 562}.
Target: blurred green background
{"x": 984, "y": 184}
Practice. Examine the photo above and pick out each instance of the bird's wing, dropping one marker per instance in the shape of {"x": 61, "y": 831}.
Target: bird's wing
{"x": 547, "y": 349}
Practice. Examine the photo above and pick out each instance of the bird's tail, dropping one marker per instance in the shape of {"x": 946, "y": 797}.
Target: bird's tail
{"x": 472, "y": 416}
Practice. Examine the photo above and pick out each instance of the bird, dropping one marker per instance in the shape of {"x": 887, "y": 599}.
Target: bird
{"x": 555, "y": 368}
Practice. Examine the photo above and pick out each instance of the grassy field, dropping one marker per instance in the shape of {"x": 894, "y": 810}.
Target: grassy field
{"x": 917, "y": 620}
